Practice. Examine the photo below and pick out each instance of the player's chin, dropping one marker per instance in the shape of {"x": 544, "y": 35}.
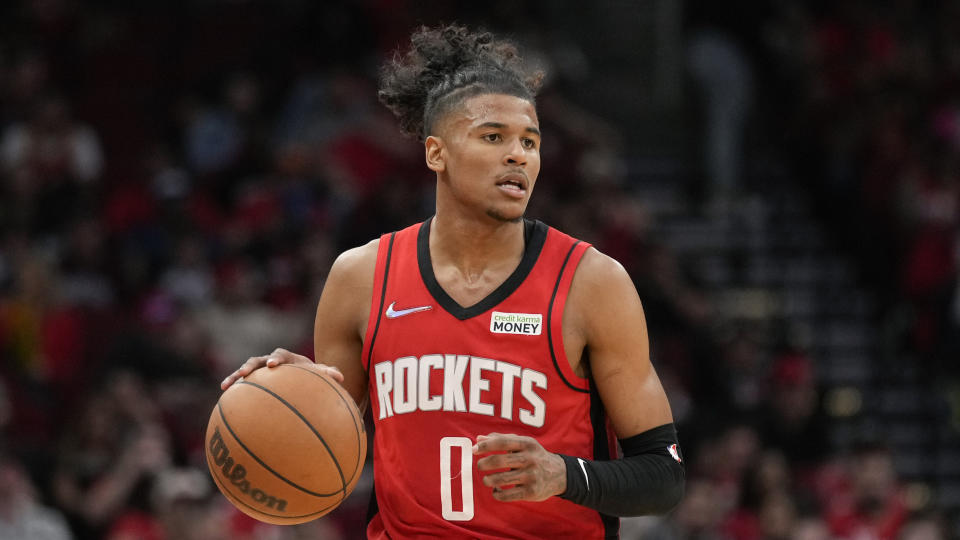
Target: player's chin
{"x": 511, "y": 214}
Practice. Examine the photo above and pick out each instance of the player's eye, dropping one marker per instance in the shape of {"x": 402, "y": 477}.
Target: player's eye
{"x": 529, "y": 143}
{"x": 492, "y": 137}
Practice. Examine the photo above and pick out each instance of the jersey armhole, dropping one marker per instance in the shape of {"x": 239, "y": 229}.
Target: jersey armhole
{"x": 380, "y": 274}
{"x": 555, "y": 319}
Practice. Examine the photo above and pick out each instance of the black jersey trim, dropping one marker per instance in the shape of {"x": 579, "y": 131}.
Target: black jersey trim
{"x": 553, "y": 297}
{"x": 373, "y": 507}
{"x": 383, "y": 297}
{"x": 535, "y": 235}
{"x": 602, "y": 452}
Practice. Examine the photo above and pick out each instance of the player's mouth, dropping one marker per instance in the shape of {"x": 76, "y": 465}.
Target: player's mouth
{"x": 513, "y": 184}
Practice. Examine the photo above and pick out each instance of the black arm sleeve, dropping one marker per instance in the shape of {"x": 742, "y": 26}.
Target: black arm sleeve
{"x": 649, "y": 479}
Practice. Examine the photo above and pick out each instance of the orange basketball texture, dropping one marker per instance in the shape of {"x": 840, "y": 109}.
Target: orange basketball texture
{"x": 286, "y": 444}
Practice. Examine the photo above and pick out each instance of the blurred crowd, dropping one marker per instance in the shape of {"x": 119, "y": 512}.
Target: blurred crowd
{"x": 877, "y": 130}
{"x": 175, "y": 181}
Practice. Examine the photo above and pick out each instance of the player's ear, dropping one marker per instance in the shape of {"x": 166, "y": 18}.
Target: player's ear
{"x": 435, "y": 153}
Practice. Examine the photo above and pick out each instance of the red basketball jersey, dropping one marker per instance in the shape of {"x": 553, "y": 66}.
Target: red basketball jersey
{"x": 441, "y": 374}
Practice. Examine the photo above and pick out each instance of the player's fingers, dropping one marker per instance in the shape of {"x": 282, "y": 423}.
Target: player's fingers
{"x": 331, "y": 372}
{"x": 512, "y": 460}
{"x": 247, "y": 368}
{"x": 506, "y": 478}
{"x": 282, "y": 356}
{"x": 516, "y": 493}
{"x": 500, "y": 442}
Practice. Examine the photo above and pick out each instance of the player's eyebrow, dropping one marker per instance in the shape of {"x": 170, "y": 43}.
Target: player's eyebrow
{"x": 501, "y": 125}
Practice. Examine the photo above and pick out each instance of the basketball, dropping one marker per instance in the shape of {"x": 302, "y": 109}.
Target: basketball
{"x": 286, "y": 444}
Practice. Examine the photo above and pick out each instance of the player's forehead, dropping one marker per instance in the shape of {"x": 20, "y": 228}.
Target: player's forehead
{"x": 501, "y": 109}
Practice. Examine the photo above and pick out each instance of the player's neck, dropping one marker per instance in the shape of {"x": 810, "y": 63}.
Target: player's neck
{"x": 475, "y": 246}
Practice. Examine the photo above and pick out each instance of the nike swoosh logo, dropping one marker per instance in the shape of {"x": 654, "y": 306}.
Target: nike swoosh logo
{"x": 393, "y": 314}
{"x": 584, "y": 469}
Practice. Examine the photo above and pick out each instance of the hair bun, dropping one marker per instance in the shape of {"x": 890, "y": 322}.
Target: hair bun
{"x": 442, "y": 60}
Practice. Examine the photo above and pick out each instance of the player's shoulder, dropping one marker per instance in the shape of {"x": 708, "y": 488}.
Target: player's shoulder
{"x": 356, "y": 263}
{"x": 359, "y": 255}
{"x": 599, "y": 270}
{"x": 600, "y": 282}
{"x": 596, "y": 271}
{"x": 602, "y": 300}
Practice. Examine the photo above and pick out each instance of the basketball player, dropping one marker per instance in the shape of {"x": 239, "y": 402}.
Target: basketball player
{"x": 497, "y": 353}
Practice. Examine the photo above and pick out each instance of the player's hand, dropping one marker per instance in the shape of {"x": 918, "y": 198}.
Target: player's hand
{"x": 274, "y": 359}
{"x": 534, "y": 474}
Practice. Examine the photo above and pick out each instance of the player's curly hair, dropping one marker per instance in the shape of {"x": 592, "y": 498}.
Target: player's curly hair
{"x": 443, "y": 67}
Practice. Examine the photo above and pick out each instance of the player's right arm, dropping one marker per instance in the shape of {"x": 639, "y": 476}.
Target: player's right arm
{"x": 342, "y": 314}
{"x": 339, "y": 327}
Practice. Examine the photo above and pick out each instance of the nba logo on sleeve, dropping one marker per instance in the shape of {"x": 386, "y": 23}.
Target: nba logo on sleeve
{"x": 524, "y": 324}
{"x": 674, "y": 452}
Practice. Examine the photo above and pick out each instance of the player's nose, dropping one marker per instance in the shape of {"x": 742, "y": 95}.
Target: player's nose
{"x": 516, "y": 154}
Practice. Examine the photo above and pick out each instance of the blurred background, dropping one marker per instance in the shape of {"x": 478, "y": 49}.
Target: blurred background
{"x": 781, "y": 179}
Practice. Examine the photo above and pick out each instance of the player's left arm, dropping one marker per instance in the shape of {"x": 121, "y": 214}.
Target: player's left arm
{"x": 604, "y": 306}
{"x": 603, "y": 315}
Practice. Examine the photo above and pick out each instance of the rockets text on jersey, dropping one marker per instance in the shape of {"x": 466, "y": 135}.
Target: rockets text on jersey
{"x": 403, "y": 386}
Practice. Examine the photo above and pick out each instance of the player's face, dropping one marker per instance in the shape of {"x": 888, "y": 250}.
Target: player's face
{"x": 491, "y": 155}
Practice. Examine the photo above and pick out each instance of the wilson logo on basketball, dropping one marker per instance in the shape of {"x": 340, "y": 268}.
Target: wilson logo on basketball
{"x": 237, "y": 474}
